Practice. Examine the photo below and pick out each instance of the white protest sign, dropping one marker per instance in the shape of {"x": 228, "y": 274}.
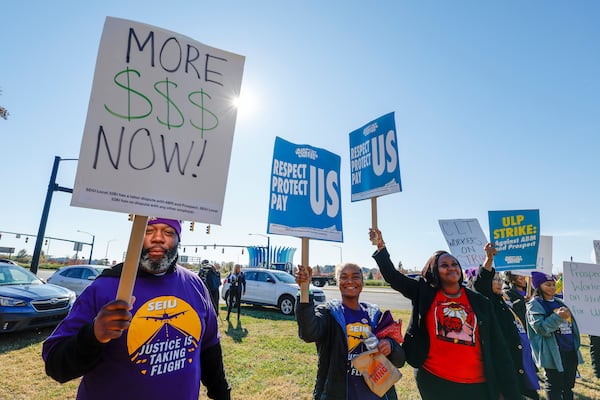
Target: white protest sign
{"x": 581, "y": 292}
{"x": 544, "y": 256}
{"x": 597, "y": 250}
{"x": 160, "y": 123}
{"x": 466, "y": 240}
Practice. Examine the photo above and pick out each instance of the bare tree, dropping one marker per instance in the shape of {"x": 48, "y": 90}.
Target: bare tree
{"x": 3, "y": 111}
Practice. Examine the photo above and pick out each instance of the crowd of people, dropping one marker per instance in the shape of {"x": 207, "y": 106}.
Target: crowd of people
{"x": 506, "y": 339}
{"x": 476, "y": 341}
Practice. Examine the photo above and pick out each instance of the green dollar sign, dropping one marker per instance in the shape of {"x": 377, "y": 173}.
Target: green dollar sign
{"x": 165, "y": 94}
{"x": 127, "y": 86}
{"x": 204, "y": 121}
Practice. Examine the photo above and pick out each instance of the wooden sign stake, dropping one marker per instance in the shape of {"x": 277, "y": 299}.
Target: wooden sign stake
{"x": 374, "y": 216}
{"x": 132, "y": 259}
{"x": 304, "y": 287}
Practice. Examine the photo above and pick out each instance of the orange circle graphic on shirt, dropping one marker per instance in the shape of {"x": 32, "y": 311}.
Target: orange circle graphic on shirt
{"x": 164, "y": 319}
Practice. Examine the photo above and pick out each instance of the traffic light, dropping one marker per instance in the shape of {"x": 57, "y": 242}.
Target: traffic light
{"x": 208, "y": 229}
{"x": 46, "y": 242}
{"x": 192, "y": 226}
{"x": 130, "y": 217}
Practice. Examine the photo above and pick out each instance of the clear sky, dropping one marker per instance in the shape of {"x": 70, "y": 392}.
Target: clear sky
{"x": 497, "y": 108}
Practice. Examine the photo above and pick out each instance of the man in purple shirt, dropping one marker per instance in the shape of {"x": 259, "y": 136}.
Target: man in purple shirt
{"x": 161, "y": 344}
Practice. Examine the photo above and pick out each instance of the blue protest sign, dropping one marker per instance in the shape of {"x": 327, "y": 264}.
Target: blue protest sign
{"x": 374, "y": 163}
{"x": 305, "y": 196}
{"x": 516, "y": 235}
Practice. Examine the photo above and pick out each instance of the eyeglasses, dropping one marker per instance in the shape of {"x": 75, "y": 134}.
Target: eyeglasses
{"x": 498, "y": 280}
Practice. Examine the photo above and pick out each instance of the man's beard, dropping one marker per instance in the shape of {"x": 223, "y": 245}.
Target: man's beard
{"x": 159, "y": 266}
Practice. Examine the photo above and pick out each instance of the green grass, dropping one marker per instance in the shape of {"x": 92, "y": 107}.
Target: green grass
{"x": 264, "y": 359}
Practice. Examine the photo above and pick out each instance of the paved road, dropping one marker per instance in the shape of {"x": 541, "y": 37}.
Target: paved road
{"x": 44, "y": 273}
{"x": 385, "y": 298}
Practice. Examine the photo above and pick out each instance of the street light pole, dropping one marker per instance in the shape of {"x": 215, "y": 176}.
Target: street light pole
{"x": 92, "y": 245}
{"x": 339, "y": 247}
{"x": 106, "y": 254}
{"x": 268, "y": 246}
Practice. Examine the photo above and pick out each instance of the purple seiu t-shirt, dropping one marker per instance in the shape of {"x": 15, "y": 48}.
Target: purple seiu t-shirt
{"x": 564, "y": 333}
{"x": 159, "y": 355}
{"x": 357, "y": 330}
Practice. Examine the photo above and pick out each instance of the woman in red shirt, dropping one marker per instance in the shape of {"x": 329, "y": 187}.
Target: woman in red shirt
{"x": 453, "y": 339}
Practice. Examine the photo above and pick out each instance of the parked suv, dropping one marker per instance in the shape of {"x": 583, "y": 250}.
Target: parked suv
{"x": 269, "y": 287}
{"x": 26, "y": 302}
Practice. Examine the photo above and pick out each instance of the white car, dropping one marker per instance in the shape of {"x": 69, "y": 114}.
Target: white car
{"x": 269, "y": 287}
{"x": 76, "y": 277}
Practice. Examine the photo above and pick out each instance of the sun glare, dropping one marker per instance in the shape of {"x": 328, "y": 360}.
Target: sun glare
{"x": 245, "y": 104}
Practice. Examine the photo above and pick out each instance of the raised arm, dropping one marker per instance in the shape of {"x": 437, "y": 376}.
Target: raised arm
{"x": 485, "y": 274}
{"x": 490, "y": 252}
{"x": 312, "y": 322}
{"x": 400, "y": 282}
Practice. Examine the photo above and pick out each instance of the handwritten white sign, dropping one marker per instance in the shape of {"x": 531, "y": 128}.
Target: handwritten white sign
{"x": 581, "y": 292}
{"x": 466, "y": 240}
{"x": 159, "y": 129}
{"x": 597, "y": 250}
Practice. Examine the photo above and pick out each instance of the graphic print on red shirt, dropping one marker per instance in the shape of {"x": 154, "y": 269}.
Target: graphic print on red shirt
{"x": 455, "y": 322}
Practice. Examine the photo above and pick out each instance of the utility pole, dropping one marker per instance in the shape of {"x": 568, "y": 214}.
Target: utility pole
{"x": 92, "y": 244}
{"x": 52, "y": 186}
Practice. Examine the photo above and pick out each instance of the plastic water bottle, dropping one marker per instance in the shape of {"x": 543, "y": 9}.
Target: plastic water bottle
{"x": 371, "y": 342}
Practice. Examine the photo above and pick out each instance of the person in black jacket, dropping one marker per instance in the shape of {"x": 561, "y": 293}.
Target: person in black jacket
{"x": 237, "y": 287}
{"x": 339, "y": 330}
{"x": 489, "y": 283}
{"x": 452, "y": 338}
{"x": 517, "y": 293}
{"x": 212, "y": 278}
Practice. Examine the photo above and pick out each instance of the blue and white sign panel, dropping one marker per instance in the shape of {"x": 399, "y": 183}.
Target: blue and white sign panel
{"x": 374, "y": 163}
{"x": 305, "y": 197}
{"x": 516, "y": 235}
